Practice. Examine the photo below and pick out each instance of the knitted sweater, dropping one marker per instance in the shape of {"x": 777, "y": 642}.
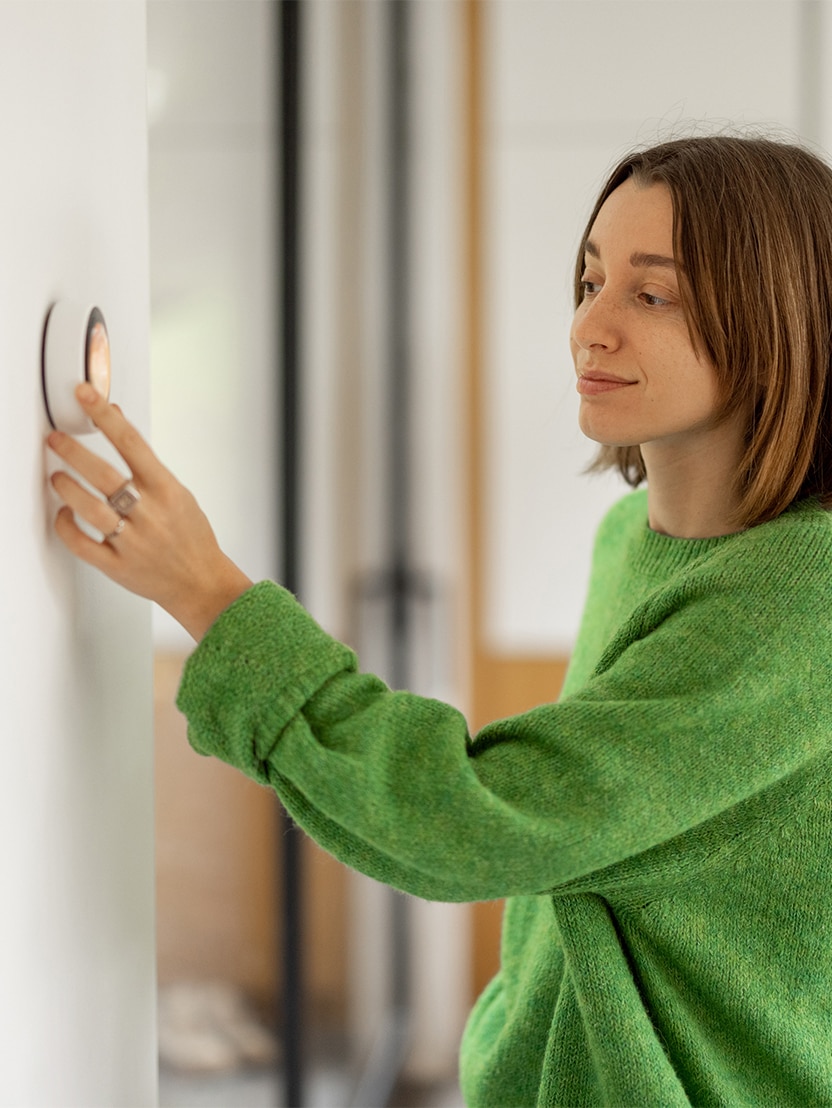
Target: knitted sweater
{"x": 664, "y": 831}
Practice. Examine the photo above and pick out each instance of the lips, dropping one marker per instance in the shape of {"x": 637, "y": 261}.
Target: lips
{"x": 591, "y": 382}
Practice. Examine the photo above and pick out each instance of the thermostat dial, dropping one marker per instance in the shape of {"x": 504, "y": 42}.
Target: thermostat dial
{"x": 76, "y": 348}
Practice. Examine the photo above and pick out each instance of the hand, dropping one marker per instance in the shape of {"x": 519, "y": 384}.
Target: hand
{"x": 165, "y": 549}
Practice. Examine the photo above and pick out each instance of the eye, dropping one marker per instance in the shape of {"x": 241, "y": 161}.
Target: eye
{"x": 653, "y": 301}
{"x": 589, "y": 288}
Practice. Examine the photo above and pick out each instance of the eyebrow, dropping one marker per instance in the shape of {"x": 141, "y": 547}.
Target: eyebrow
{"x": 638, "y": 260}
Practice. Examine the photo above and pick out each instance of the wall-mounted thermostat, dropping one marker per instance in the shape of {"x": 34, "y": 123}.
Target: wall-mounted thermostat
{"x": 76, "y": 348}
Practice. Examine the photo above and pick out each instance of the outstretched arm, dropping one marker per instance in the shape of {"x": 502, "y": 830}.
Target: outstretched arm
{"x": 165, "y": 550}
{"x": 688, "y": 715}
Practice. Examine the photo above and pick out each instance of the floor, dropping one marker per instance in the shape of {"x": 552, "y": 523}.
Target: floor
{"x": 216, "y": 1052}
{"x": 257, "y": 1088}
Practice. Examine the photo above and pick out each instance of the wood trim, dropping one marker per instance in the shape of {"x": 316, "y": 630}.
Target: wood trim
{"x": 472, "y": 299}
{"x": 506, "y": 686}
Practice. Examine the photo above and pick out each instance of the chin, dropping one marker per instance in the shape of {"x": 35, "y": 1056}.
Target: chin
{"x": 596, "y": 431}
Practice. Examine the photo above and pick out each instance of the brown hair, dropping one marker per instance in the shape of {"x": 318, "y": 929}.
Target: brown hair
{"x": 752, "y": 230}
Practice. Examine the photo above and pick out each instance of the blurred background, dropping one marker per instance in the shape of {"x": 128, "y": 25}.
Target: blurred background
{"x": 363, "y": 221}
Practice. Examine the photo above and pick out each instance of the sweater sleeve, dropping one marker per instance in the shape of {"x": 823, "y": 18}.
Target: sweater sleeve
{"x": 690, "y": 712}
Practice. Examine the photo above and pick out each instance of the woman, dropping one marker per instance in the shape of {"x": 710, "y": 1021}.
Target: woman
{"x": 664, "y": 831}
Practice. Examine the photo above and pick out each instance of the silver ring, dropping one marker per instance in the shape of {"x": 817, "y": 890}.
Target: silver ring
{"x": 124, "y": 499}
{"x": 119, "y": 527}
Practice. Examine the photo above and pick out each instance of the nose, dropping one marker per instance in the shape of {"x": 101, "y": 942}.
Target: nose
{"x": 596, "y": 323}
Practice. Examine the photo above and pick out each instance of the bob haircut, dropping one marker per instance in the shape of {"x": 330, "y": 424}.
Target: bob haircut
{"x": 752, "y": 232}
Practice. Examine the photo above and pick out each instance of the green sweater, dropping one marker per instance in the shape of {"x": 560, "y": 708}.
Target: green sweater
{"x": 664, "y": 831}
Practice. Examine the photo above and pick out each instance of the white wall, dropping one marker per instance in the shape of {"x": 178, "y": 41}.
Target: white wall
{"x": 77, "y": 1002}
{"x": 573, "y": 84}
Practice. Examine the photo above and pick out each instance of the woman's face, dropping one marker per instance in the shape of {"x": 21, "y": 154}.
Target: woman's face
{"x": 639, "y": 378}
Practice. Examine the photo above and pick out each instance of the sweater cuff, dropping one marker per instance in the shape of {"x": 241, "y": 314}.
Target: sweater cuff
{"x": 255, "y": 669}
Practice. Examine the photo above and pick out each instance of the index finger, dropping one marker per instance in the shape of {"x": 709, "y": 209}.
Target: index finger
{"x": 143, "y": 463}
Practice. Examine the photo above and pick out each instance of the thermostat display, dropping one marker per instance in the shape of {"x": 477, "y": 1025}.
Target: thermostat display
{"x": 76, "y": 348}
{"x": 98, "y": 354}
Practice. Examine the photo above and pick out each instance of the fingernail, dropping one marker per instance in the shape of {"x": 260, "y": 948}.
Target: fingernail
{"x": 55, "y": 438}
{"x": 86, "y": 393}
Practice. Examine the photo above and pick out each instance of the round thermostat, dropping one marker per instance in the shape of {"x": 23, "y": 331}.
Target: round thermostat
{"x": 76, "y": 348}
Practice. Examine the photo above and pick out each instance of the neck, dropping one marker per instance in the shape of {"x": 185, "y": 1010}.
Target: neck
{"x": 691, "y": 485}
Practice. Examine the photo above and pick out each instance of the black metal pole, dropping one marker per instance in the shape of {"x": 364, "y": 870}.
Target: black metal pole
{"x": 399, "y": 449}
{"x": 398, "y": 357}
{"x": 289, "y": 250}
